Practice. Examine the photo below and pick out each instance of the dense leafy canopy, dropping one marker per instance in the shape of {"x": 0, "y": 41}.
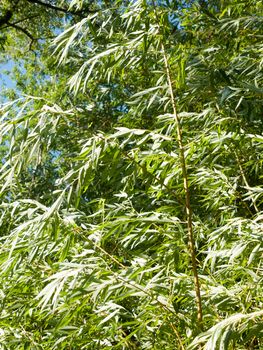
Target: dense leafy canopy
{"x": 131, "y": 175}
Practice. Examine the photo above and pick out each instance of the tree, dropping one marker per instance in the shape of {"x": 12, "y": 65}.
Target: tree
{"x": 131, "y": 197}
{"x": 36, "y": 19}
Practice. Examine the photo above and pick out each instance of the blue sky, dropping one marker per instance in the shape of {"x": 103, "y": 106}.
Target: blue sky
{"x": 5, "y": 81}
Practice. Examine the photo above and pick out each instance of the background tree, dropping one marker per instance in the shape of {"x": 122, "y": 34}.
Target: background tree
{"x": 131, "y": 213}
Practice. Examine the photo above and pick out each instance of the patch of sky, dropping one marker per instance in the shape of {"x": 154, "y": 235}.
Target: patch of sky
{"x": 5, "y": 70}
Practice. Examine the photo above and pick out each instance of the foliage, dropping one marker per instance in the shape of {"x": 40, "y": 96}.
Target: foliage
{"x": 131, "y": 181}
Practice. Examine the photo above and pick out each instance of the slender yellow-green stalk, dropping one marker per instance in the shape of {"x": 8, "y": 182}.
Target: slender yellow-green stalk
{"x": 188, "y": 208}
{"x": 191, "y": 242}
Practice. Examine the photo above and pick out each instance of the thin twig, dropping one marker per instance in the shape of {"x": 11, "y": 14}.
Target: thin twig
{"x": 160, "y": 181}
{"x": 245, "y": 179}
{"x": 178, "y": 336}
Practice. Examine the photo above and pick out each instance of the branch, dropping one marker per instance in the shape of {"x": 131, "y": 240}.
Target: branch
{"x": 8, "y": 14}
{"x": 56, "y": 8}
{"x": 52, "y": 7}
{"x": 4, "y": 19}
{"x": 204, "y": 9}
{"x": 245, "y": 179}
{"x": 23, "y": 30}
{"x": 17, "y": 22}
{"x": 26, "y": 32}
